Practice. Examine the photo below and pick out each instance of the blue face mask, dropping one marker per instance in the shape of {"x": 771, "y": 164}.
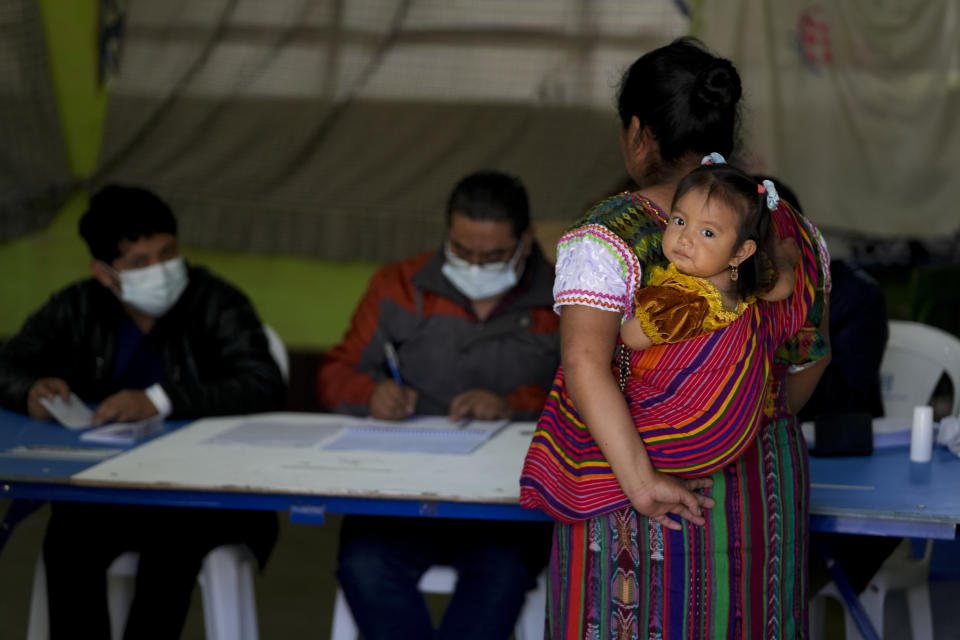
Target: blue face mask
{"x": 481, "y": 281}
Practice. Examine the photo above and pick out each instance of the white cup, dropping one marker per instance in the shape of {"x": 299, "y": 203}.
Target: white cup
{"x": 921, "y": 436}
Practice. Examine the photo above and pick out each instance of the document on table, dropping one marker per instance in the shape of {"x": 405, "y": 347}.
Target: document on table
{"x": 275, "y": 433}
{"x": 124, "y": 434}
{"x": 59, "y": 452}
{"x": 423, "y": 434}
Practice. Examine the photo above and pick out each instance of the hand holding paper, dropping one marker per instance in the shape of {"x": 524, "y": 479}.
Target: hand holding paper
{"x": 46, "y": 389}
{"x": 71, "y": 413}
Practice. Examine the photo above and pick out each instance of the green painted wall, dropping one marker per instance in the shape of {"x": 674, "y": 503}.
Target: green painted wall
{"x": 308, "y": 302}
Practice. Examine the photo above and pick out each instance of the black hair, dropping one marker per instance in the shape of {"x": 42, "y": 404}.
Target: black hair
{"x": 686, "y": 96}
{"x": 740, "y": 192}
{"x": 491, "y": 195}
{"x": 118, "y": 213}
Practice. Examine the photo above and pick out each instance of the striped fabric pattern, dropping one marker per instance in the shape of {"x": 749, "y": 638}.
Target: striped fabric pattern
{"x": 740, "y": 576}
{"x": 697, "y": 404}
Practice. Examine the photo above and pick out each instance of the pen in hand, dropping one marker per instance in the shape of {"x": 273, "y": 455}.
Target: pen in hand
{"x": 393, "y": 362}
{"x": 392, "y": 399}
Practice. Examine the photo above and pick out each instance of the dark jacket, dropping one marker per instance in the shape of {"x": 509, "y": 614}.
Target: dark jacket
{"x": 214, "y": 351}
{"x": 444, "y": 349}
{"x": 858, "y": 338}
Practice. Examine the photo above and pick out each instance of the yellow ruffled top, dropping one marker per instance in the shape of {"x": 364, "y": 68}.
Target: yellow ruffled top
{"x": 674, "y": 306}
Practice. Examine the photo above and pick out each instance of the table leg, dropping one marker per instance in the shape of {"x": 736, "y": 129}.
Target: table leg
{"x": 849, "y": 595}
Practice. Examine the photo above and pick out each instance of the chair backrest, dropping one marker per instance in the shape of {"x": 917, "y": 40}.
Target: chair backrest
{"x": 915, "y": 358}
{"x": 278, "y": 351}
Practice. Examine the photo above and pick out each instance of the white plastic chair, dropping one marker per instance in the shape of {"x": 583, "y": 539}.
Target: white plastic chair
{"x": 915, "y": 358}
{"x": 278, "y": 351}
{"x": 226, "y": 576}
{"x": 226, "y": 584}
{"x": 443, "y": 579}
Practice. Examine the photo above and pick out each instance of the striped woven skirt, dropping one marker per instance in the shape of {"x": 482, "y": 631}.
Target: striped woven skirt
{"x": 740, "y": 576}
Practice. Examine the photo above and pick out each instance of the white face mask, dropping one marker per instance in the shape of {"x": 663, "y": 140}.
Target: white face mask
{"x": 481, "y": 281}
{"x": 155, "y": 289}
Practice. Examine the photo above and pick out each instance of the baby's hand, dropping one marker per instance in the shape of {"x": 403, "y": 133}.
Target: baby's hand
{"x": 786, "y": 253}
{"x": 631, "y": 332}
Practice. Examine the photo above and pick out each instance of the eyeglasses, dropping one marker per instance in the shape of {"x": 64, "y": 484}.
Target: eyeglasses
{"x": 495, "y": 258}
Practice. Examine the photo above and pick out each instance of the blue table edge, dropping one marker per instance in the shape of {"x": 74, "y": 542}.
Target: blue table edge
{"x": 313, "y": 509}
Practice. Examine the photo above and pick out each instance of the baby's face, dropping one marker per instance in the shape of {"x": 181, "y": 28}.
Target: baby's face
{"x": 701, "y": 235}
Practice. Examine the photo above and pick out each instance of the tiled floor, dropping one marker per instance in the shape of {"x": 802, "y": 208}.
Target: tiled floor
{"x": 295, "y": 592}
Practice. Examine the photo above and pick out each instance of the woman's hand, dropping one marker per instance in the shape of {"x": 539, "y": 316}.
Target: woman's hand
{"x": 662, "y": 494}
{"x": 47, "y": 388}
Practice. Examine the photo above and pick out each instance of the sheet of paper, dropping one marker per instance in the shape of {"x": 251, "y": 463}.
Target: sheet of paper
{"x": 418, "y": 435}
{"x": 435, "y": 423}
{"x": 54, "y": 452}
{"x": 123, "y": 434}
{"x": 73, "y": 414}
{"x": 262, "y": 433}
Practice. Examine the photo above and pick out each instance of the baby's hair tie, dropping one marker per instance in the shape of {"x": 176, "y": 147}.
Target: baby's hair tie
{"x": 772, "y": 198}
{"x": 713, "y": 158}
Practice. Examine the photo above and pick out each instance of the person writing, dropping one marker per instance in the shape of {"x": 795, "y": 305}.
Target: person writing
{"x": 148, "y": 335}
{"x": 635, "y": 571}
{"x": 475, "y": 337}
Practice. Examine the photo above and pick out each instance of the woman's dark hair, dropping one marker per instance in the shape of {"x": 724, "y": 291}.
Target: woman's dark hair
{"x": 119, "y": 213}
{"x": 687, "y": 97}
{"x": 491, "y": 195}
{"x": 740, "y": 192}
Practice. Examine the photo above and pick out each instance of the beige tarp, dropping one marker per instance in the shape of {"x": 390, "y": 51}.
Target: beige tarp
{"x": 337, "y": 129}
{"x": 855, "y": 104}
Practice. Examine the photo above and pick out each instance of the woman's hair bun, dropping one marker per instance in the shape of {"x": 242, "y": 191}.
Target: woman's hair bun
{"x": 717, "y": 86}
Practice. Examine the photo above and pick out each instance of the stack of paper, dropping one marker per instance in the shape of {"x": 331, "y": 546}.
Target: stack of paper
{"x": 74, "y": 414}
{"x": 425, "y": 434}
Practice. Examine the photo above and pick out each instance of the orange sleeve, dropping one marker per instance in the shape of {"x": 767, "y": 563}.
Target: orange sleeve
{"x": 339, "y": 382}
{"x": 528, "y": 398}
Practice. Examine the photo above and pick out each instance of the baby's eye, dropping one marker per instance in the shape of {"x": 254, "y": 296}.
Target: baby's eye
{"x": 707, "y": 233}
{"x": 677, "y": 220}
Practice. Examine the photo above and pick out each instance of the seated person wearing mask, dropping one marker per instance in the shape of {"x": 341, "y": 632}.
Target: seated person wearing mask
{"x": 476, "y": 337}
{"x": 146, "y": 336}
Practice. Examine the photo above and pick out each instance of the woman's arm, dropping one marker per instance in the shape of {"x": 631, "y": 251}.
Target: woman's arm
{"x": 588, "y": 339}
{"x": 799, "y": 386}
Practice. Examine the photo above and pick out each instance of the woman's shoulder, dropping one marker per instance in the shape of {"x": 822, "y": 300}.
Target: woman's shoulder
{"x": 624, "y": 211}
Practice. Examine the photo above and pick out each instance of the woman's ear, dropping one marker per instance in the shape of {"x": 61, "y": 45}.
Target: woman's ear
{"x": 747, "y": 249}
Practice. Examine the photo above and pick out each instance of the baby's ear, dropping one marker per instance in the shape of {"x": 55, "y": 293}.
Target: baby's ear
{"x": 747, "y": 249}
